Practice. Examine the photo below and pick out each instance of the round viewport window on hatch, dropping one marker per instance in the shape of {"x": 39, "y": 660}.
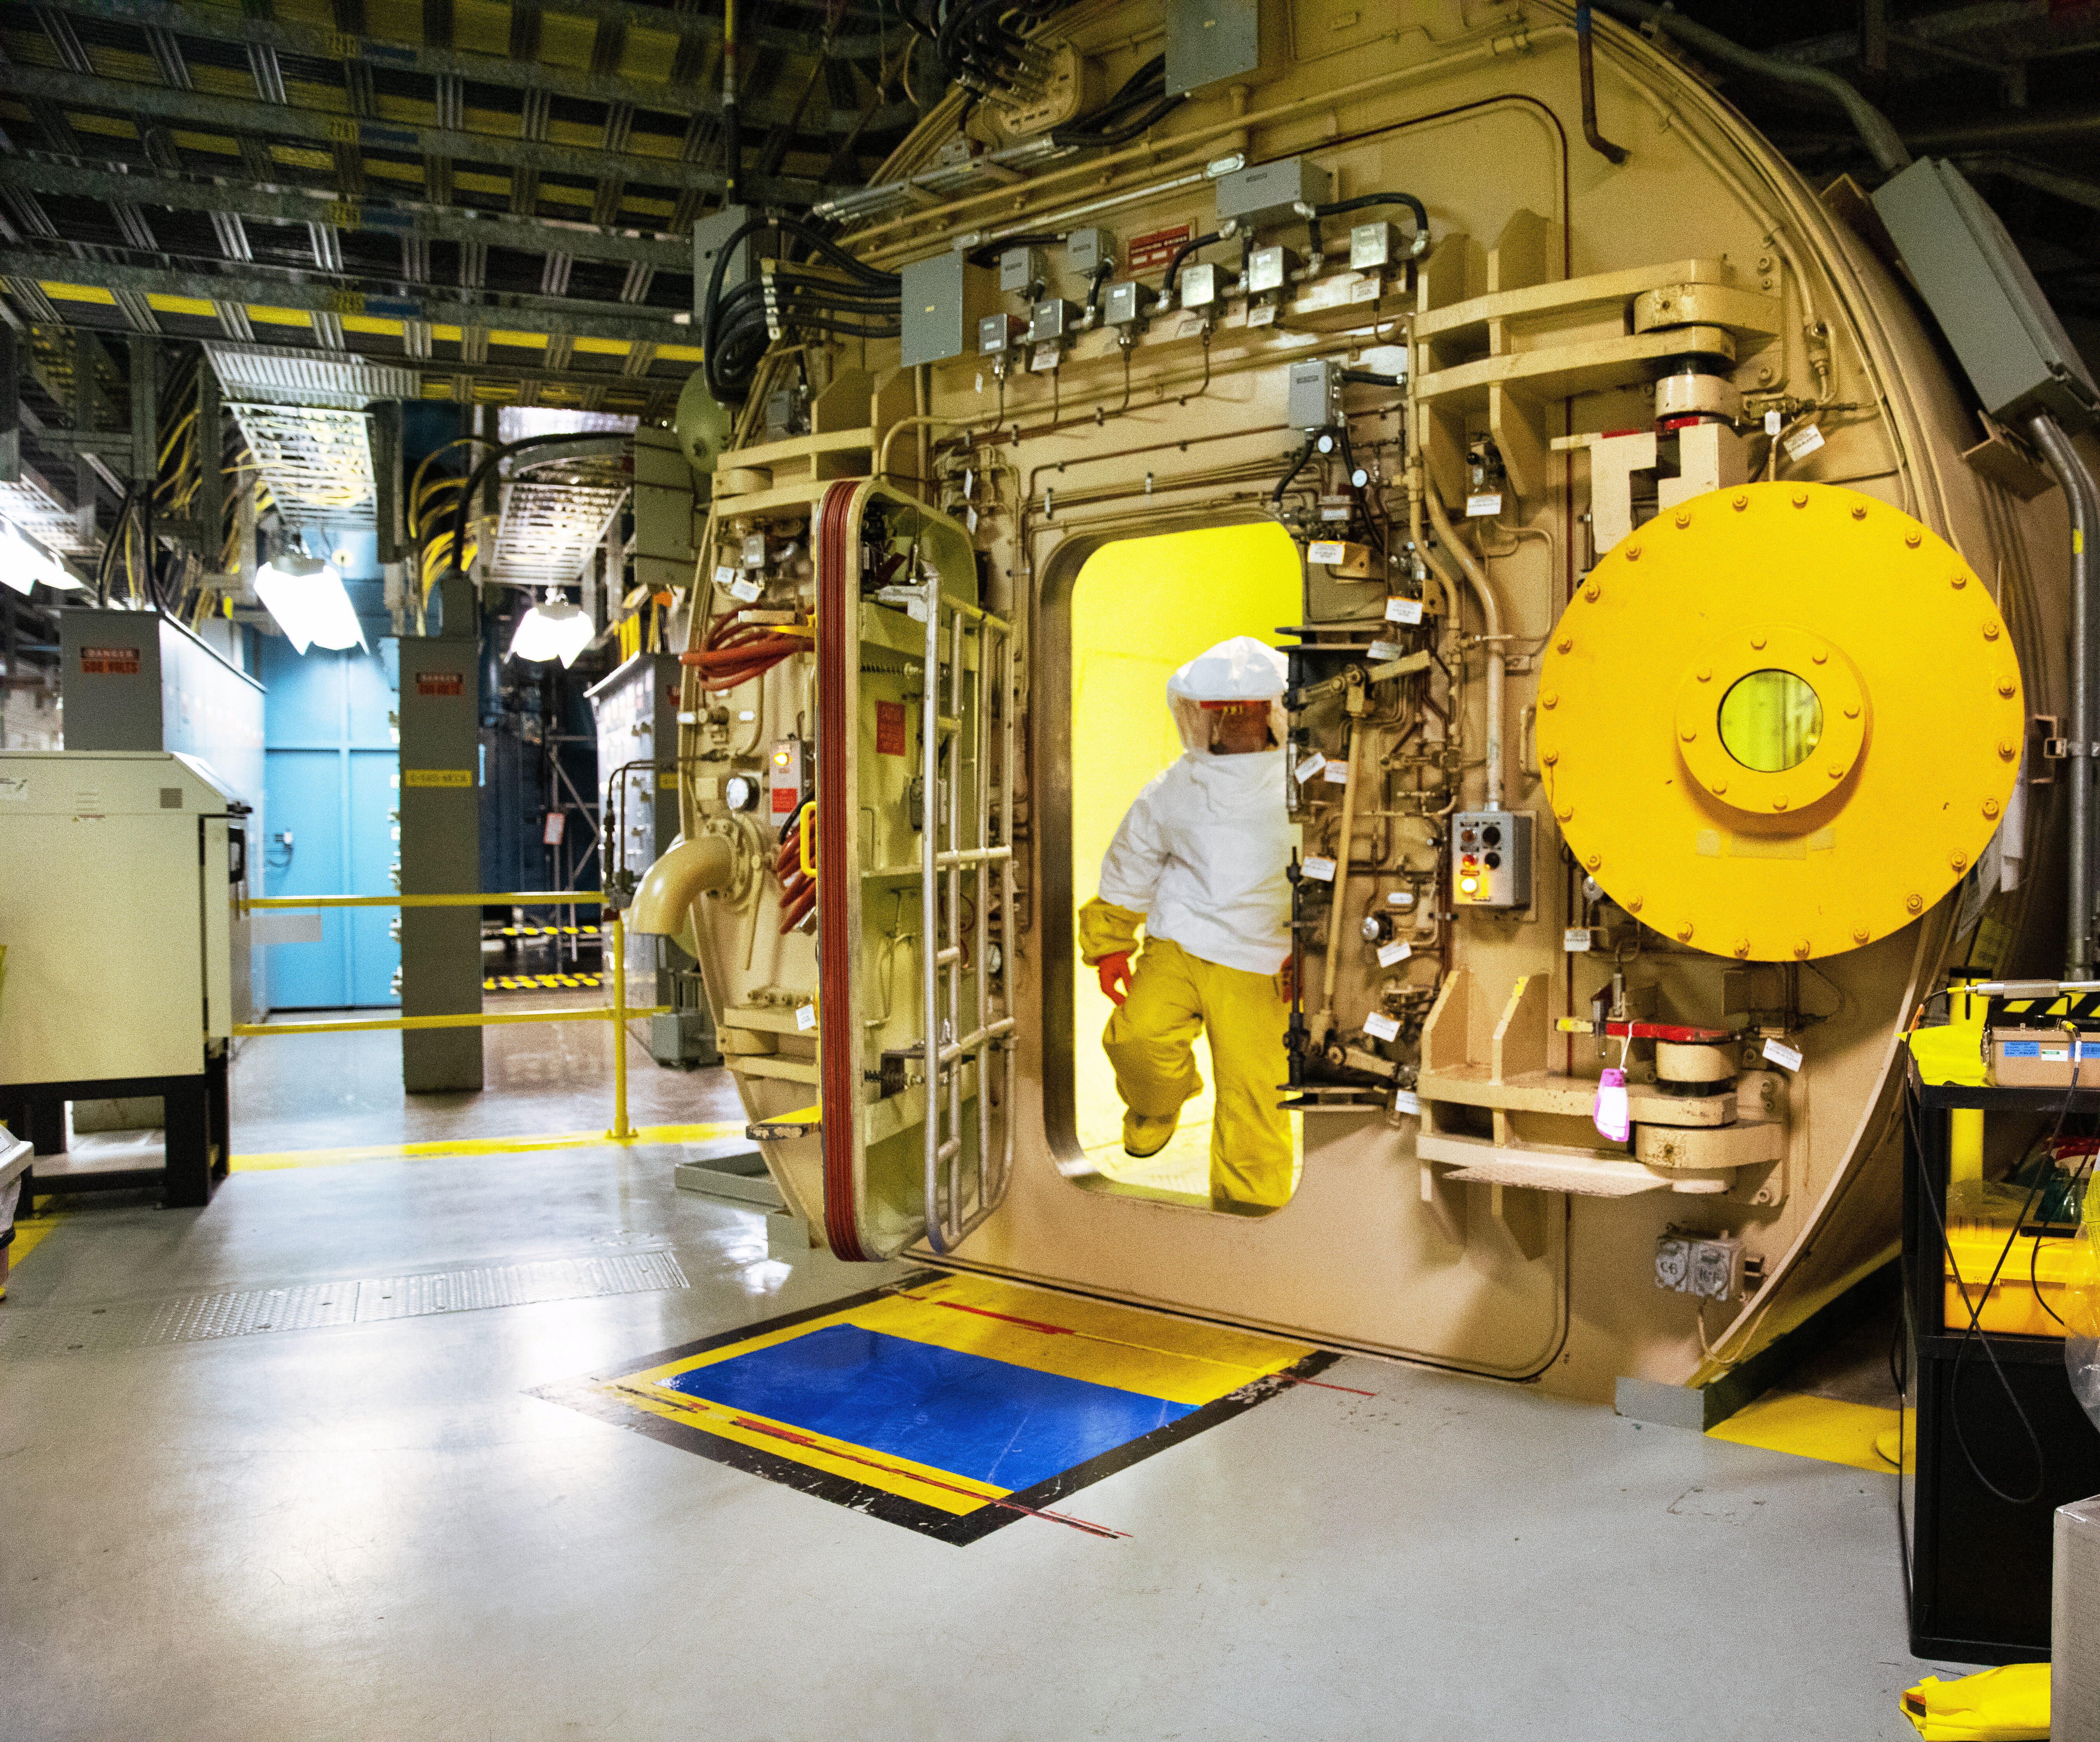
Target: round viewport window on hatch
{"x": 1771, "y": 721}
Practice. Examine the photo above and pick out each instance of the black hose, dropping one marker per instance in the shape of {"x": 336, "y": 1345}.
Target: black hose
{"x": 1370, "y": 378}
{"x": 1586, "y": 60}
{"x": 1365, "y": 201}
{"x": 1123, "y": 135}
{"x": 988, "y": 255}
{"x": 1297, "y": 466}
{"x": 726, "y": 384}
{"x": 1181, "y": 253}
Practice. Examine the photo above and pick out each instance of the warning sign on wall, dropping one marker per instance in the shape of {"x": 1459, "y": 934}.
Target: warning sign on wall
{"x": 112, "y": 662}
{"x": 440, "y": 683}
{"x": 890, "y": 728}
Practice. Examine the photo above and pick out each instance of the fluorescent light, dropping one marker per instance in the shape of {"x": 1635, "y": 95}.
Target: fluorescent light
{"x": 307, "y": 599}
{"x": 24, "y": 562}
{"x": 552, "y": 629}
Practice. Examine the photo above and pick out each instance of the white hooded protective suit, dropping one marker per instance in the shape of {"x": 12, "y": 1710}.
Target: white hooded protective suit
{"x": 1202, "y": 852}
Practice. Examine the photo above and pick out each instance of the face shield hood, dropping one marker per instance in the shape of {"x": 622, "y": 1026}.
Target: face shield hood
{"x": 1241, "y": 670}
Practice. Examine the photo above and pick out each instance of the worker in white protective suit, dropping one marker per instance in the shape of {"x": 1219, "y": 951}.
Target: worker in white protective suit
{"x": 1200, "y": 862}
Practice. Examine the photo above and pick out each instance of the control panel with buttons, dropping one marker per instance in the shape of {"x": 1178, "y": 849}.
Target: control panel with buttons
{"x": 1491, "y": 858}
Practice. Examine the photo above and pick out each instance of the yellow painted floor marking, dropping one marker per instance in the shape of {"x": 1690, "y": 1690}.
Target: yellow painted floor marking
{"x": 885, "y": 1471}
{"x": 1822, "y": 1428}
{"x": 1113, "y": 1346}
{"x": 400, "y": 1152}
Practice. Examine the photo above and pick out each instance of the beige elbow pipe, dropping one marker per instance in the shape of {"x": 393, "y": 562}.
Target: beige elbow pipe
{"x": 1491, "y": 613}
{"x": 663, "y": 899}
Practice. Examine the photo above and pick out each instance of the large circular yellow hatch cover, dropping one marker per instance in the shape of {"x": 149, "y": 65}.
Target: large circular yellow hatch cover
{"x": 1780, "y": 720}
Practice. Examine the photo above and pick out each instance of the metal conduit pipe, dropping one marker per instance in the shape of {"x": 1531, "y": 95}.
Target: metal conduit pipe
{"x": 1491, "y": 626}
{"x": 2084, "y": 501}
{"x": 1881, "y": 138}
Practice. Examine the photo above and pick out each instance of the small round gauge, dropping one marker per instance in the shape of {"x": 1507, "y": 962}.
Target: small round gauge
{"x": 740, "y": 793}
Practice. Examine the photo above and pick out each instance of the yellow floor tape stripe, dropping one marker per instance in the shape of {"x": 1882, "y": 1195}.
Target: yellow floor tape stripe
{"x": 405, "y": 1151}
{"x": 29, "y": 1236}
{"x": 1824, "y": 1428}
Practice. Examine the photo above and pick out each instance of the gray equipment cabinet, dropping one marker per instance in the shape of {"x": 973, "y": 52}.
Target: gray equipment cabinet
{"x": 637, "y": 708}
{"x": 120, "y": 875}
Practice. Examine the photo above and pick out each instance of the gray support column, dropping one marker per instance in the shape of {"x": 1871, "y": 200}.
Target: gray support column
{"x": 211, "y": 456}
{"x": 441, "y": 849}
{"x": 145, "y": 442}
{"x": 11, "y": 411}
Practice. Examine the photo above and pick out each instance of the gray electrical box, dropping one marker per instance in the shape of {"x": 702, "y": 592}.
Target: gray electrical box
{"x": 709, "y": 233}
{"x": 2015, "y": 351}
{"x": 1491, "y": 858}
{"x": 1314, "y": 399}
{"x": 1021, "y": 270}
{"x": 1089, "y": 250}
{"x": 944, "y": 298}
{"x": 1052, "y": 322}
{"x": 1211, "y": 41}
{"x": 1270, "y": 192}
{"x": 1124, "y": 306}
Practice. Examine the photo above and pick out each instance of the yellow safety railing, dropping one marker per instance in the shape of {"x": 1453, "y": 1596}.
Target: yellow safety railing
{"x": 617, "y": 1013}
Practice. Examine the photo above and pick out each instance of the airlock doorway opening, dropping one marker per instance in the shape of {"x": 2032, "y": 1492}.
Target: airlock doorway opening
{"x": 1139, "y": 609}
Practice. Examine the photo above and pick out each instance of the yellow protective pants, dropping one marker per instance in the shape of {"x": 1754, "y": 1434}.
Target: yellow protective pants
{"x": 1151, "y": 1041}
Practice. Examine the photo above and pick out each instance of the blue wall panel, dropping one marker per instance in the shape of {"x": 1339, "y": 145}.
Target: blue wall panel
{"x": 332, "y": 766}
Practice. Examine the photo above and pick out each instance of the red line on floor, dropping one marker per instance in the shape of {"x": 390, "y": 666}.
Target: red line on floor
{"x": 1325, "y": 1387}
{"x": 913, "y": 1475}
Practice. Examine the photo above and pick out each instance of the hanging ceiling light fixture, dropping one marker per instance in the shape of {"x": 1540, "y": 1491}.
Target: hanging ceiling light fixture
{"x": 24, "y": 562}
{"x": 552, "y": 629}
{"x": 306, "y": 596}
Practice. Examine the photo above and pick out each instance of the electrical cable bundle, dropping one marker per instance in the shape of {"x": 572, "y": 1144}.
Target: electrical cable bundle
{"x": 982, "y": 41}
{"x": 734, "y": 652}
{"x": 738, "y": 325}
{"x": 1131, "y": 111}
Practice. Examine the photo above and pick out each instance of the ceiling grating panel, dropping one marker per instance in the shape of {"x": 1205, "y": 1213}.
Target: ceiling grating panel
{"x": 275, "y": 374}
{"x": 315, "y": 460}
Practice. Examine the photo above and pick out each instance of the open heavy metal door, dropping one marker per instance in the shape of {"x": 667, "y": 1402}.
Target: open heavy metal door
{"x": 914, "y": 826}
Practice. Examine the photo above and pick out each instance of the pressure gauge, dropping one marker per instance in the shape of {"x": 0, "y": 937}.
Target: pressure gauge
{"x": 740, "y": 793}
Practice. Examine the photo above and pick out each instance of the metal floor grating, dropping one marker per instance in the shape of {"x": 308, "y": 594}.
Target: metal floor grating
{"x": 314, "y": 1306}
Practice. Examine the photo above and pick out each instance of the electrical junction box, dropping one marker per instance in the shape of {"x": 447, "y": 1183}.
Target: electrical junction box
{"x": 1314, "y": 397}
{"x": 1270, "y": 192}
{"x": 1371, "y": 246}
{"x": 709, "y": 233}
{"x": 999, "y": 333}
{"x": 1491, "y": 858}
{"x": 1199, "y": 286}
{"x": 1209, "y": 41}
{"x": 1269, "y": 269}
{"x": 1089, "y": 250}
{"x": 1124, "y": 306}
{"x": 944, "y": 297}
{"x": 2015, "y": 351}
{"x": 1052, "y": 322}
{"x": 785, "y": 777}
{"x": 1021, "y": 270}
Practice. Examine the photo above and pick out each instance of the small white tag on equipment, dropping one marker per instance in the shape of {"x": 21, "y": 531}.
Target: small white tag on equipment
{"x": 1487, "y": 502}
{"x": 1380, "y": 1027}
{"x": 1398, "y": 610}
{"x": 1324, "y": 551}
{"x": 1390, "y": 955}
{"x": 1406, "y": 1100}
{"x": 1320, "y": 870}
{"x": 805, "y": 1018}
{"x": 1774, "y": 423}
{"x": 1803, "y": 442}
{"x": 1386, "y": 650}
{"x": 725, "y": 575}
{"x": 1780, "y": 1053}
{"x": 1310, "y": 767}
{"x": 746, "y": 589}
{"x": 1336, "y": 773}
{"x": 1578, "y": 941}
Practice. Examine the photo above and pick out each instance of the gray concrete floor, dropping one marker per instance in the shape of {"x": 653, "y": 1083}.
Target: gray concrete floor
{"x": 374, "y": 1530}
{"x": 335, "y": 1091}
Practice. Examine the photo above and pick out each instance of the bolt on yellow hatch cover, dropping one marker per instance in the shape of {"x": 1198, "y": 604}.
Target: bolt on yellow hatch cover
{"x": 950, "y": 1404}
{"x": 1780, "y": 720}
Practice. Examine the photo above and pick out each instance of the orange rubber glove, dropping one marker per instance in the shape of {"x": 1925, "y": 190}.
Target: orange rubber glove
{"x": 1112, "y": 969}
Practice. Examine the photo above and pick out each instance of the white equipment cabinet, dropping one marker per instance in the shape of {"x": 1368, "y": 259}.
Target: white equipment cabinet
{"x": 119, "y": 874}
